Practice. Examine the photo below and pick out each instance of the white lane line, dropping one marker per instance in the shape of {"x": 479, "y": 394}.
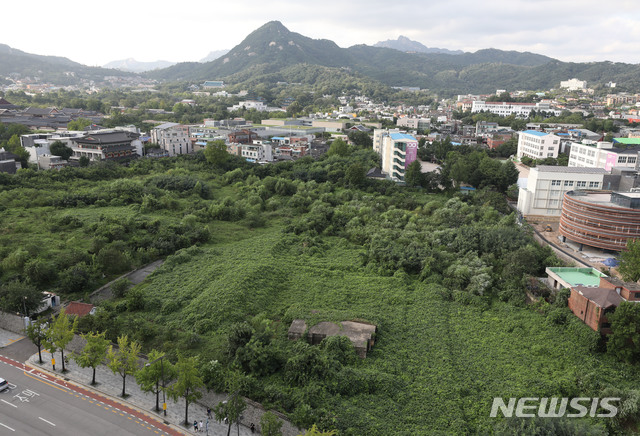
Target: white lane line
{"x": 48, "y": 422}
{"x": 6, "y": 426}
{"x": 10, "y": 404}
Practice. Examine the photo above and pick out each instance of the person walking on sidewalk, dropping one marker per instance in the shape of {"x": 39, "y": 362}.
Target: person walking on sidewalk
{"x": 209, "y": 412}
{"x": 201, "y": 426}
{"x": 195, "y": 426}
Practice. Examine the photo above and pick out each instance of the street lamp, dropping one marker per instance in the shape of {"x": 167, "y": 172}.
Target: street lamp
{"x": 164, "y": 399}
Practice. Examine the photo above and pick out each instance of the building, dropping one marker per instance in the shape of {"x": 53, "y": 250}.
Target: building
{"x": 244, "y": 136}
{"x": 414, "y": 123}
{"x": 213, "y": 84}
{"x": 173, "y": 138}
{"x": 602, "y": 155}
{"x": 537, "y": 145}
{"x": 8, "y": 162}
{"x": 505, "y": 109}
{"x": 486, "y": 127}
{"x": 397, "y": 149}
{"x": 106, "y": 145}
{"x": 547, "y": 184}
{"x": 605, "y": 220}
{"x": 574, "y": 85}
{"x": 249, "y": 104}
{"x": 262, "y": 152}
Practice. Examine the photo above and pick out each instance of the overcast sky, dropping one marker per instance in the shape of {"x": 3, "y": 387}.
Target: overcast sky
{"x": 94, "y": 33}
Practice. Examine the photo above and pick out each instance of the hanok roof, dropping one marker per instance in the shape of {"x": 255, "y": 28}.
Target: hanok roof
{"x": 602, "y": 297}
{"x": 79, "y": 309}
{"x": 107, "y": 138}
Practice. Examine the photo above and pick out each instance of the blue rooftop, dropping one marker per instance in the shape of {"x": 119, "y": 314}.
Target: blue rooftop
{"x": 535, "y": 132}
{"x": 402, "y": 136}
{"x": 278, "y": 138}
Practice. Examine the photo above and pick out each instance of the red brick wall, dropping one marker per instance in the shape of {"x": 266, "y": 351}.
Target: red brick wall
{"x": 585, "y": 310}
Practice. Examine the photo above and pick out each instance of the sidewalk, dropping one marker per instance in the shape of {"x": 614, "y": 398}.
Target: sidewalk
{"x": 110, "y": 384}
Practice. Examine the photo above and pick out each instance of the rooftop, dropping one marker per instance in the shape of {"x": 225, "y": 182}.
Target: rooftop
{"x": 79, "y": 309}
{"x": 603, "y": 297}
{"x": 534, "y": 132}
{"x": 402, "y": 136}
{"x": 578, "y": 276}
{"x": 573, "y": 170}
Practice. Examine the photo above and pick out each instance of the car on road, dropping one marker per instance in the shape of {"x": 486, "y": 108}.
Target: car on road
{"x": 3, "y": 384}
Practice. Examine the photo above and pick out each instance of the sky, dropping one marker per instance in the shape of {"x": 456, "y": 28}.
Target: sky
{"x": 96, "y": 33}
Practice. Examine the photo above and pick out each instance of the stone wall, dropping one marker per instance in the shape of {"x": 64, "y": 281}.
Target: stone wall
{"x": 12, "y": 323}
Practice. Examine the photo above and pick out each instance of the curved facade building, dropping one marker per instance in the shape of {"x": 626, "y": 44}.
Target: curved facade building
{"x": 599, "y": 219}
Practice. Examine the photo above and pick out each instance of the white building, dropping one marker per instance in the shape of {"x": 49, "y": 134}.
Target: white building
{"x": 520, "y": 110}
{"x": 249, "y": 104}
{"x": 257, "y": 152}
{"x": 397, "y": 149}
{"x": 546, "y": 186}
{"x": 574, "y": 84}
{"x": 602, "y": 155}
{"x": 537, "y": 145}
{"x": 173, "y": 138}
{"x": 414, "y": 123}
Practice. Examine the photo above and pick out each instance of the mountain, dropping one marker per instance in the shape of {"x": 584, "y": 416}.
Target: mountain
{"x": 405, "y": 44}
{"x": 50, "y": 69}
{"x": 213, "y": 55}
{"x": 135, "y": 66}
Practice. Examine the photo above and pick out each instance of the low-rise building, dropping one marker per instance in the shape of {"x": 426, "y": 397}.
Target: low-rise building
{"x": 537, "y": 145}
{"x": 397, "y": 149}
{"x": 602, "y": 155}
{"x": 173, "y": 138}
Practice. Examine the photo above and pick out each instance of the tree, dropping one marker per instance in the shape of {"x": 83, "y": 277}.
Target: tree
{"x": 78, "y": 124}
{"x": 124, "y": 360}
{"x": 19, "y": 297}
{"x": 624, "y": 342}
{"x": 270, "y": 425}
{"x": 187, "y": 384}
{"x": 338, "y": 148}
{"x": 61, "y": 332}
{"x": 153, "y": 377}
{"x": 355, "y": 174}
{"x": 84, "y": 161}
{"x": 234, "y": 406}
{"x": 58, "y": 148}
{"x": 93, "y": 353}
{"x": 36, "y": 331}
{"x": 216, "y": 152}
{"x": 630, "y": 261}
{"x": 413, "y": 175}
{"x": 313, "y": 431}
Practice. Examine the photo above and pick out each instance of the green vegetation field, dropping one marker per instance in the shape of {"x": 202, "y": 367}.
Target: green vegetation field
{"x": 249, "y": 248}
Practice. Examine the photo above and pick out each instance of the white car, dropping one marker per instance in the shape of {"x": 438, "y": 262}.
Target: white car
{"x": 3, "y": 384}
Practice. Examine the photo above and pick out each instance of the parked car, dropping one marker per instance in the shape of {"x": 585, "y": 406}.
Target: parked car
{"x": 3, "y": 384}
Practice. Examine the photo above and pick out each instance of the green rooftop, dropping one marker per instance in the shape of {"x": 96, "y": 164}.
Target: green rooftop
{"x": 627, "y": 141}
{"x": 576, "y": 276}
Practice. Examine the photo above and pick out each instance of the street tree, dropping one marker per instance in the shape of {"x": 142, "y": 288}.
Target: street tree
{"x": 93, "y": 353}
{"x": 624, "y": 342}
{"x": 58, "y": 148}
{"x": 124, "y": 360}
{"x": 630, "y": 261}
{"x": 61, "y": 332}
{"x": 232, "y": 408}
{"x": 270, "y": 425}
{"x": 36, "y": 331}
{"x": 187, "y": 384}
{"x": 153, "y": 377}
{"x": 216, "y": 152}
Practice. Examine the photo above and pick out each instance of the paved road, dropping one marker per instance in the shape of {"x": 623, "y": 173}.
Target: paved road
{"x": 38, "y": 404}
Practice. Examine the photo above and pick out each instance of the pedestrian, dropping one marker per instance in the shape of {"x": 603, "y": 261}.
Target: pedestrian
{"x": 252, "y": 427}
{"x": 201, "y": 426}
{"x": 209, "y": 412}
{"x": 195, "y": 426}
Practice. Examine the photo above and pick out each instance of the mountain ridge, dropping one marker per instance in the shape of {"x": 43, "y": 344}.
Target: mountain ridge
{"x": 407, "y": 45}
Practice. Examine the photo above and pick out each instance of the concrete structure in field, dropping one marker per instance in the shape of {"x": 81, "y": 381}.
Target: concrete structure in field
{"x": 172, "y": 138}
{"x": 547, "y": 184}
{"x": 606, "y": 220}
{"x": 537, "y": 145}
{"x": 602, "y": 155}
{"x": 397, "y": 149}
{"x": 361, "y": 335}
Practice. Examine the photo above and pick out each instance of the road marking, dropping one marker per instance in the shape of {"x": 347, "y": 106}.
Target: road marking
{"x": 46, "y": 382}
{"x": 10, "y": 404}
{"x": 6, "y": 426}
{"x": 48, "y": 422}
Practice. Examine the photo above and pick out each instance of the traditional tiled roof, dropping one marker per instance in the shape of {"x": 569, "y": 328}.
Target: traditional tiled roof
{"x": 79, "y": 309}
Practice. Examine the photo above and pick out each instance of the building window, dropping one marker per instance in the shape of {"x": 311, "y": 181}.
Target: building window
{"x": 593, "y": 184}
{"x": 568, "y": 183}
{"x": 555, "y": 183}
{"x": 581, "y": 184}
{"x": 622, "y": 159}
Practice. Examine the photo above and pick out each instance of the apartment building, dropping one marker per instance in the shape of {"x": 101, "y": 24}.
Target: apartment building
{"x": 602, "y": 155}
{"x": 173, "y": 138}
{"x": 397, "y": 149}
